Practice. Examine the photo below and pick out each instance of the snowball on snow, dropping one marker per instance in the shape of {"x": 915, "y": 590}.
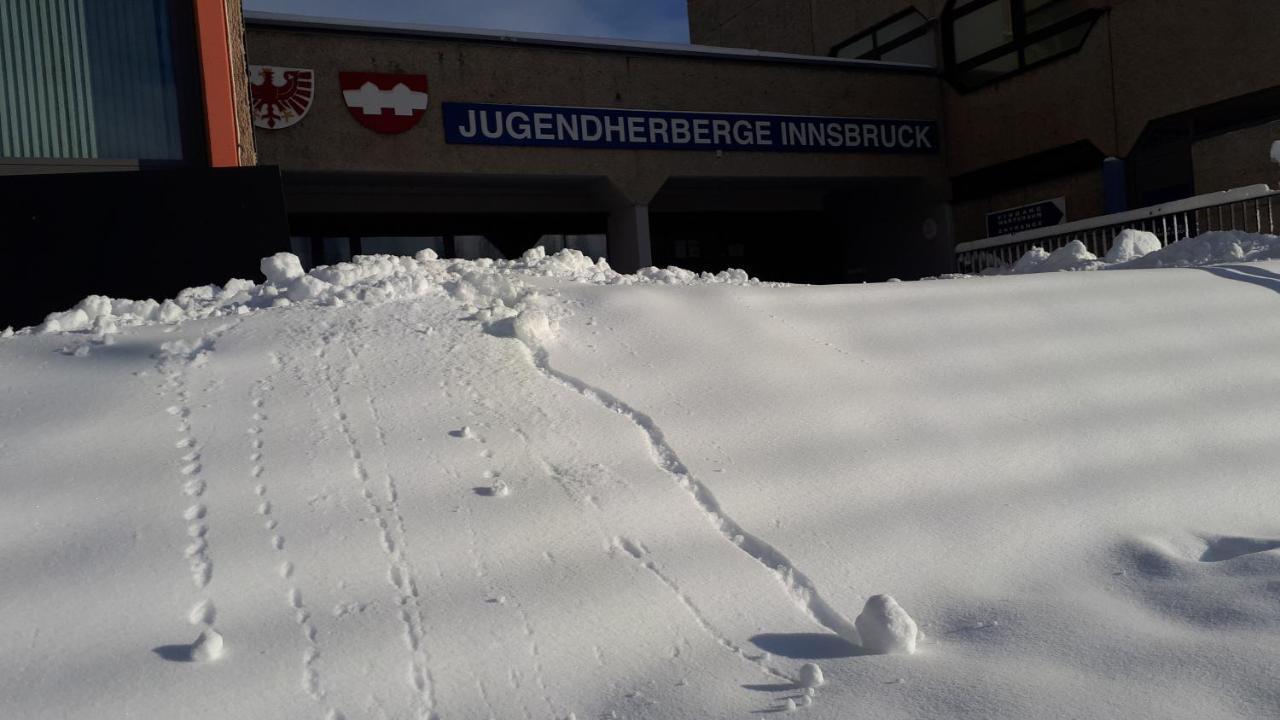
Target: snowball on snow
{"x": 811, "y": 675}
{"x": 207, "y": 647}
{"x": 426, "y": 255}
{"x": 886, "y": 628}
{"x": 1131, "y": 245}
{"x": 533, "y": 327}
{"x": 534, "y": 254}
{"x": 282, "y": 268}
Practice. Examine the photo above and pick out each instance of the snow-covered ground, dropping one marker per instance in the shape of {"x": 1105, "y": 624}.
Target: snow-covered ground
{"x": 436, "y": 489}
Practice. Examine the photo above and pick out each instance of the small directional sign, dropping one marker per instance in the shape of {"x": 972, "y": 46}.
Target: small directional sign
{"x": 1028, "y": 217}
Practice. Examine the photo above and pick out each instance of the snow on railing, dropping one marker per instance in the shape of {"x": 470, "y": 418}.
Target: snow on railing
{"x": 1248, "y": 209}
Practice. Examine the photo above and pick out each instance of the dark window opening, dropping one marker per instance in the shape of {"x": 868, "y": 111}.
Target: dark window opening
{"x": 87, "y": 79}
{"x": 985, "y": 41}
{"x": 907, "y": 37}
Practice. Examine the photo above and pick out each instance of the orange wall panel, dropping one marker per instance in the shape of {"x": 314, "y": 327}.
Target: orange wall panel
{"x": 215, "y": 71}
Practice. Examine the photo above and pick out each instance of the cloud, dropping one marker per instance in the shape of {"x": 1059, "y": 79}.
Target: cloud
{"x": 661, "y": 20}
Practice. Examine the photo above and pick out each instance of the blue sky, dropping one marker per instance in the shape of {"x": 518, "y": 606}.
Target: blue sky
{"x": 662, "y": 20}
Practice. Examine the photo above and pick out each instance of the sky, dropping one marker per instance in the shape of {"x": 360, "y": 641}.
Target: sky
{"x": 658, "y": 20}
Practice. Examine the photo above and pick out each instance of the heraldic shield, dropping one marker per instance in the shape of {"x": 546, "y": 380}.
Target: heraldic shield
{"x": 281, "y": 96}
{"x": 385, "y": 102}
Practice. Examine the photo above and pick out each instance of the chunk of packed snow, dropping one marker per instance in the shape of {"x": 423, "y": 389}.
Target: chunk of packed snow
{"x": 282, "y": 268}
{"x": 886, "y": 628}
{"x": 1131, "y": 245}
{"x": 207, "y": 647}
{"x": 811, "y": 676}
{"x": 1030, "y": 260}
{"x": 1072, "y": 256}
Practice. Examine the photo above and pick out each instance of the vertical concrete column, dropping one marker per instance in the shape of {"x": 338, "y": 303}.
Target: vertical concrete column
{"x": 629, "y": 245}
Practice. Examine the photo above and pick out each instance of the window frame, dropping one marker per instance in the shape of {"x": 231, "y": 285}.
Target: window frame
{"x": 878, "y": 50}
{"x": 1017, "y": 46}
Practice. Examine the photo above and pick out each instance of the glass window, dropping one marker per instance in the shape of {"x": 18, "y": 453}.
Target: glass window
{"x": 991, "y": 70}
{"x": 983, "y": 30}
{"x": 919, "y": 52}
{"x": 986, "y": 40}
{"x": 859, "y": 48}
{"x": 1041, "y": 14}
{"x": 95, "y": 79}
{"x": 1056, "y": 45}
{"x": 894, "y": 29}
{"x": 907, "y": 37}
{"x": 400, "y": 245}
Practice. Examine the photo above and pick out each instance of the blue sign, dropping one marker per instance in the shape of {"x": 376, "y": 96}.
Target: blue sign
{"x": 546, "y": 126}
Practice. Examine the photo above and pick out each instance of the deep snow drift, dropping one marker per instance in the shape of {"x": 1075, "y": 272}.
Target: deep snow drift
{"x": 424, "y": 488}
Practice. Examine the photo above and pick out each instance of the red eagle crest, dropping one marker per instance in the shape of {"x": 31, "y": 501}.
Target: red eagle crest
{"x": 281, "y": 96}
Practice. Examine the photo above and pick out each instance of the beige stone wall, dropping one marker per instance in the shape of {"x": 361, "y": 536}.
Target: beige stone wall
{"x": 1175, "y": 56}
{"x": 1237, "y": 159}
{"x": 1145, "y": 59}
{"x": 1082, "y": 191}
{"x": 1054, "y": 105}
{"x": 796, "y": 26}
{"x": 835, "y": 21}
{"x": 773, "y": 25}
{"x": 329, "y": 139}
{"x": 240, "y": 83}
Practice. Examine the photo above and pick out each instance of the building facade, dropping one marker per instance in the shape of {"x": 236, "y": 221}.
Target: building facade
{"x": 804, "y": 140}
{"x": 729, "y": 198}
{"x": 1036, "y": 95}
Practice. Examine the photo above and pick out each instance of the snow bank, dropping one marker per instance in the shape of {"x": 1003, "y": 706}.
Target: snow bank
{"x": 1075, "y": 256}
{"x": 1136, "y": 249}
{"x": 497, "y": 293}
{"x": 1213, "y": 248}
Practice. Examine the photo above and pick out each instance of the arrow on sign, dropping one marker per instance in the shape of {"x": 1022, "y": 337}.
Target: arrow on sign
{"x": 1028, "y": 217}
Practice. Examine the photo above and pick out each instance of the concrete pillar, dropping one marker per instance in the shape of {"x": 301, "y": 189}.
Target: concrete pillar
{"x": 629, "y": 245}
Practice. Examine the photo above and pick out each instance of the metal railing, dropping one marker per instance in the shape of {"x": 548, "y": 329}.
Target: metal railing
{"x": 1250, "y": 209}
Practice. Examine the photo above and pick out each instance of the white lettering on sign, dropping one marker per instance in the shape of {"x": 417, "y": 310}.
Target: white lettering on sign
{"x": 371, "y": 100}
{"x": 544, "y": 125}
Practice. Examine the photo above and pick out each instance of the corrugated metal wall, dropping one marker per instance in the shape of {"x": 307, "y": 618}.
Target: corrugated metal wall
{"x": 88, "y": 79}
{"x": 46, "y": 101}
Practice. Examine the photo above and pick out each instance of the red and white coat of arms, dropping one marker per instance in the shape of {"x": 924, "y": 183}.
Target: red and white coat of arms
{"x": 281, "y": 96}
{"x": 385, "y": 102}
